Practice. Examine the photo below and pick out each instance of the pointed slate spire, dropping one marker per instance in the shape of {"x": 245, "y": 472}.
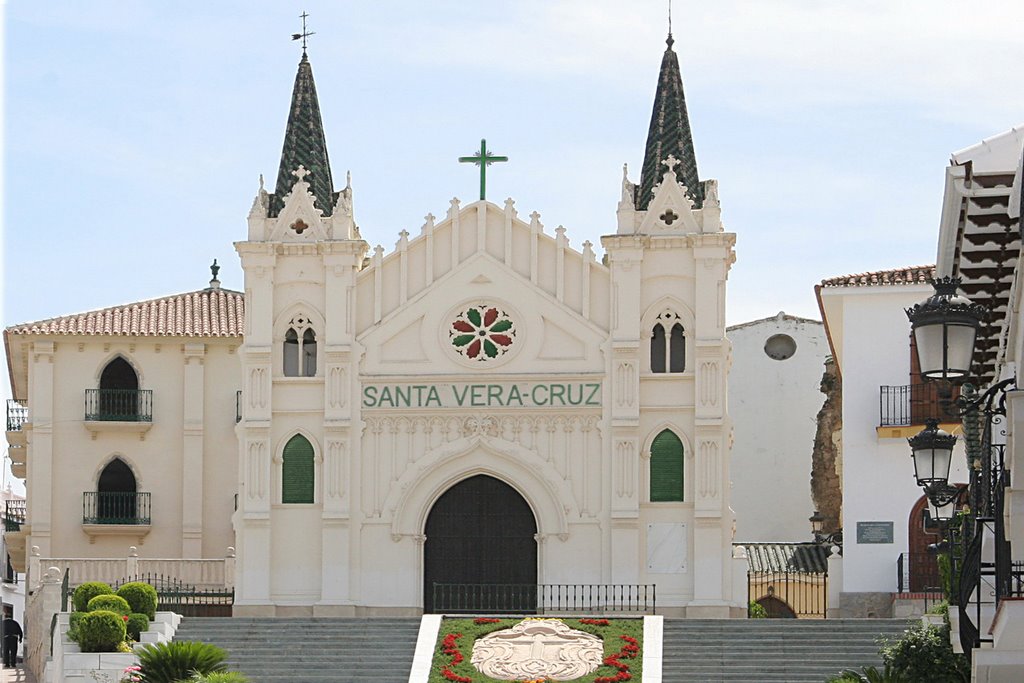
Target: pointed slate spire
{"x": 304, "y": 145}
{"x": 669, "y": 134}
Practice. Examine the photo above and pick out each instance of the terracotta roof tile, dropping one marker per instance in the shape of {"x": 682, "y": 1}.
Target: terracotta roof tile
{"x": 205, "y": 313}
{"x": 911, "y": 275}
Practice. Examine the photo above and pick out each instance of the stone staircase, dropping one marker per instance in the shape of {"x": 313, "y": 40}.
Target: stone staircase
{"x": 338, "y": 650}
{"x": 769, "y": 650}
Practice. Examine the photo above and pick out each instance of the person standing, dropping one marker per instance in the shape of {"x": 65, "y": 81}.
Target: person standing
{"x": 12, "y": 636}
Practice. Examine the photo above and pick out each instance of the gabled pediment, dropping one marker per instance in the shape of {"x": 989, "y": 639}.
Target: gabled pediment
{"x": 483, "y": 299}
{"x": 299, "y": 220}
{"x": 670, "y": 210}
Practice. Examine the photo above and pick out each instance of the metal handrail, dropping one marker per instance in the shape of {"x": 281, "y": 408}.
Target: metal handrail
{"x": 17, "y": 414}
{"x": 119, "y": 405}
{"x": 115, "y": 507}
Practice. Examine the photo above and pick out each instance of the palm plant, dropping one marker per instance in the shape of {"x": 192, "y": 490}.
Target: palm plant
{"x": 179, "y": 660}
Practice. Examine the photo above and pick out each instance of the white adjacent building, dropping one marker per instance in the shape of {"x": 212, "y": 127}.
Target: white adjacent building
{"x": 884, "y": 404}
{"x": 484, "y": 403}
{"x": 774, "y": 399}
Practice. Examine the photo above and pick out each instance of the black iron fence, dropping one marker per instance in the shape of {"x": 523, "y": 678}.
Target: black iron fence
{"x": 910, "y": 404}
{"x": 14, "y": 515}
{"x": 114, "y": 507}
{"x": 511, "y": 598}
{"x": 119, "y": 405}
{"x": 17, "y": 414}
{"x": 174, "y": 595}
{"x": 789, "y": 594}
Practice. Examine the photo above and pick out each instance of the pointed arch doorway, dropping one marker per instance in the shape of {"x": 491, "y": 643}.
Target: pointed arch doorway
{"x": 481, "y": 544}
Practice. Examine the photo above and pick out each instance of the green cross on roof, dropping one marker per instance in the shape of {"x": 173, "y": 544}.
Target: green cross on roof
{"x": 483, "y": 159}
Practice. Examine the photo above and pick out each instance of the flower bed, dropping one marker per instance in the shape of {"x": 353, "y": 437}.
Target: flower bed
{"x": 622, "y": 639}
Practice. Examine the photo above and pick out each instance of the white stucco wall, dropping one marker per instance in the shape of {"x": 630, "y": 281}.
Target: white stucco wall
{"x": 774, "y": 404}
{"x": 878, "y": 474}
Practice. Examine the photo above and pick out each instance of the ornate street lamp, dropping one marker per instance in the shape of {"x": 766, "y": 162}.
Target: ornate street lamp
{"x": 932, "y": 450}
{"x": 942, "y": 502}
{"x": 945, "y": 326}
{"x": 817, "y": 521}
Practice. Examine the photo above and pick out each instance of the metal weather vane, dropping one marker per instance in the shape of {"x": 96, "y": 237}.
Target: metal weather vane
{"x": 483, "y": 159}
{"x": 305, "y": 34}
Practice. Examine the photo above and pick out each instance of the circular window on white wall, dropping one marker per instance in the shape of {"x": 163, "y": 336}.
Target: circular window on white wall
{"x": 780, "y": 347}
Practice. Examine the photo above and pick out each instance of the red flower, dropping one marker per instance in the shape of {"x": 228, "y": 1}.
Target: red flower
{"x": 485, "y": 620}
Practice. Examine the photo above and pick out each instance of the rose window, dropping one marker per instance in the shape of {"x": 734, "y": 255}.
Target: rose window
{"x": 482, "y": 332}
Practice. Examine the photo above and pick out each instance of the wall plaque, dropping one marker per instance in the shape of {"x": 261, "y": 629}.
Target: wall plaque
{"x": 874, "y": 532}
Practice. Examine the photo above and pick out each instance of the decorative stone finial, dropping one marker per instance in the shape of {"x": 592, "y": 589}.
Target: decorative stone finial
{"x": 301, "y": 173}
{"x": 214, "y": 269}
{"x": 671, "y": 162}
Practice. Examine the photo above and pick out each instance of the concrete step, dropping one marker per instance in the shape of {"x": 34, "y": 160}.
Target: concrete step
{"x": 339, "y": 650}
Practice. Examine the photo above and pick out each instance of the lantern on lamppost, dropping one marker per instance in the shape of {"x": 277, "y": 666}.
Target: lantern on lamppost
{"x": 945, "y": 326}
{"x": 932, "y": 450}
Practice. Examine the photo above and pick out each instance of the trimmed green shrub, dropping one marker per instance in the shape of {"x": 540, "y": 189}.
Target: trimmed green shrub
{"x": 923, "y": 654}
{"x": 178, "y": 660}
{"x": 110, "y": 603}
{"x": 756, "y": 611}
{"x": 86, "y": 592}
{"x": 869, "y": 674}
{"x": 141, "y": 597}
{"x": 136, "y": 624}
{"x": 100, "y": 631}
{"x": 73, "y": 620}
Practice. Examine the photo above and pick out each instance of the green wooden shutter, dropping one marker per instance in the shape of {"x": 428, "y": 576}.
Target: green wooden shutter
{"x": 297, "y": 474}
{"x": 666, "y": 468}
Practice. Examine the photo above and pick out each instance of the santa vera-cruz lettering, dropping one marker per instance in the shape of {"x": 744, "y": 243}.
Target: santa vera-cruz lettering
{"x": 499, "y": 395}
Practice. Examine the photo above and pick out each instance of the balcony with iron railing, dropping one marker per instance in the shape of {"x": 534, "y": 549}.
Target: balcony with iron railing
{"x": 14, "y": 514}
{"x": 115, "y": 507}
{"x": 106, "y": 513}
{"x": 910, "y": 405}
{"x": 119, "y": 405}
{"x": 126, "y": 410}
{"x": 17, "y": 414}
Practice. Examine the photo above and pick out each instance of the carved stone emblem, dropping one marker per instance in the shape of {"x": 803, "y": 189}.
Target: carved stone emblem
{"x": 537, "y": 648}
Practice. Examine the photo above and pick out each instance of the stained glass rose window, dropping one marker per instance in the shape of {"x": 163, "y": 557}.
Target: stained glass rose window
{"x": 482, "y": 332}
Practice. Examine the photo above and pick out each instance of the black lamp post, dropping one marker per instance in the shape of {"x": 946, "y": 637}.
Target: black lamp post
{"x": 945, "y": 327}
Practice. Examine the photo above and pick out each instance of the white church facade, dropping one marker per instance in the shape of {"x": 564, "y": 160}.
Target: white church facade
{"x": 483, "y": 405}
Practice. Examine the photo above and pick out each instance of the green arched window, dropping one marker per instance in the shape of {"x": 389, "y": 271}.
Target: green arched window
{"x": 297, "y": 473}
{"x": 666, "y": 468}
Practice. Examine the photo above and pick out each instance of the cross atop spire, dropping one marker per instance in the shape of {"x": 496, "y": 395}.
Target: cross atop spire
{"x": 669, "y": 135}
{"x": 305, "y": 147}
{"x": 305, "y": 34}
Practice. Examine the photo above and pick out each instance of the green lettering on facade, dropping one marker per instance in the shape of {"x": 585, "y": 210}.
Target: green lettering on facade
{"x": 557, "y": 391}
{"x": 433, "y": 398}
{"x": 369, "y": 396}
{"x": 533, "y": 395}
{"x": 459, "y": 398}
{"x": 594, "y": 388}
{"x": 494, "y": 395}
{"x": 514, "y": 395}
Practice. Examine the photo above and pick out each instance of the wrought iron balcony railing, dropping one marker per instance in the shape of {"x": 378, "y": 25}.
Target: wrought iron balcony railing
{"x": 119, "y": 405}
{"x": 911, "y": 404}
{"x": 100, "y": 507}
{"x": 14, "y": 515}
{"x": 17, "y": 414}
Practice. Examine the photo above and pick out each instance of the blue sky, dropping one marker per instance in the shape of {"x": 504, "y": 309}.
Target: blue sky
{"x": 135, "y": 132}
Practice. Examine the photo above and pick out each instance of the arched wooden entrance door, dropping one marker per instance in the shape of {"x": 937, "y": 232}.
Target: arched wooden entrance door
{"x": 481, "y": 546}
